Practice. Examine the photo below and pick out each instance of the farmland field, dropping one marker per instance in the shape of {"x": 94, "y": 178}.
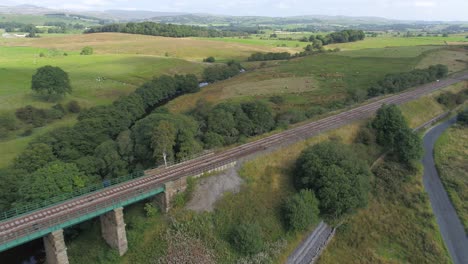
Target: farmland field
{"x": 118, "y": 43}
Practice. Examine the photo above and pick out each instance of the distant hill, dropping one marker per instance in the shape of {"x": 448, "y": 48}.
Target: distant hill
{"x": 25, "y": 10}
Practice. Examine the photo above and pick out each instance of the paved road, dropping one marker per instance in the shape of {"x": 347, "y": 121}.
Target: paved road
{"x": 310, "y": 249}
{"x": 450, "y": 226}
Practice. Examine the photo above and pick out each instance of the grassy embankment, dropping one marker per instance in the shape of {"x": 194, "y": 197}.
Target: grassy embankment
{"x": 400, "y": 230}
{"x": 451, "y": 157}
{"x": 384, "y": 231}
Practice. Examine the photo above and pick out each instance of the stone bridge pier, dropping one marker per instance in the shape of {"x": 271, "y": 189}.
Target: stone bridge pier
{"x": 113, "y": 225}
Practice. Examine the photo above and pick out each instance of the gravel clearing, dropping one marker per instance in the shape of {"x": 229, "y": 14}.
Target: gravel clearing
{"x": 211, "y": 189}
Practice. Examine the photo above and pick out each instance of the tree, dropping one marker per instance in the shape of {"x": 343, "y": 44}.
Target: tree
{"x": 108, "y": 161}
{"x": 317, "y": 44}
{"x": 394, "y": 134}
{"x": 73, "y": 107}
{"x": 387, "y": 123}
{"x": 163, "y": 140}
{"x": 337, "y": 176}
{"x": 51, "y": 80}
{"x": 34, "y": 157}
{"x": 463, "y": 117}
{"x": 408, "y": 145}
{"x": 210, "y": 59}
{"x": 301, "y": 210}
{"x": 247, "y": 238}
{"x": 87, "y": 51}
{"x": 54, "y": 179}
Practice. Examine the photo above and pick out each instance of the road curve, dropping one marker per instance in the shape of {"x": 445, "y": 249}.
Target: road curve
{"x": 43, "y": 220}
{"x": 450, "y": 225}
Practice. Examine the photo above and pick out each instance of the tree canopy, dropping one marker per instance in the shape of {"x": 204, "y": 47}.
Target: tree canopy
{"x": 54, "y": 179}
{"x": 51, "y": 80}
{"x": 337, "y": 176}
{"x": 393, "y": 133}
{"x": 301, "y": 210}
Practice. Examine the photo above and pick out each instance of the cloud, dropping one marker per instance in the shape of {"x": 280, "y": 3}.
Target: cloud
{"x": 424, "y": 4}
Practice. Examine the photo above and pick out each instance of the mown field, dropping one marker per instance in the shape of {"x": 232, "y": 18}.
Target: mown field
{"x": 451, "y": 157}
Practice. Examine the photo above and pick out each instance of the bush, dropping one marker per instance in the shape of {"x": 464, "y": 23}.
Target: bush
{"x": 87, "y": 51}
{"x": 8, "y": 123}
{"x": 31, "y": 115}
{"x": 247, "y": 239}
{"x": 290, "y": 117}
{"x": 278, "y": 100}
{"x": 53, "y": 114}
{"x": 463, "y": 118}
{"x": 73, "y": 107}
{"x": 210, "y": 59}
{"x": 339, "y": 178}
{"x": 300, "y": 210}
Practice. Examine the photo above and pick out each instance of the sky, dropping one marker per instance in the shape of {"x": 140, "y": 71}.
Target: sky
{"x": 447, "y": 10}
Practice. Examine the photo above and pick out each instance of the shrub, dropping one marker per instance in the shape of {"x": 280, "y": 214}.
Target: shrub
{"x": 210, "y": 59}
{"x": 337, "y": 175}
{"x": 463, "y": 118}
{"x": 31, "y": 115}
{"x": 278, "y": 100}
{"x": 53, "y": 114}
{"x": 87, "y": 51}
{"x": 301, "y": 210}
{"x": 247, "y": 238}
{"x": 8, "y": 123}
{"x": 151, "y": 210}
{"x": 73, "y": 107}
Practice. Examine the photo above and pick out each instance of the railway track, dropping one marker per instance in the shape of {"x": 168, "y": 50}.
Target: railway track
{"x": 42, "y": 219}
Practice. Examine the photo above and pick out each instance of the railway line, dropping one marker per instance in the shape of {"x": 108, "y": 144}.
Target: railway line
{"x": 42, "y": 219}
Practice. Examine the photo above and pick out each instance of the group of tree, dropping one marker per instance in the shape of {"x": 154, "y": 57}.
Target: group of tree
{"x": 393, "y": 133}
{"x": 258, "y": 56}
{"x": 397, "y": 82}
{"x": 336, "y": 174}
{"x": 221, "y": 71}
{"x": 450, "y": 99}
{"x": 103, "y": 144}
{"x": 165, "y": 30}
{"x": 228, "y": 123}
{"x": 343, "y": 36}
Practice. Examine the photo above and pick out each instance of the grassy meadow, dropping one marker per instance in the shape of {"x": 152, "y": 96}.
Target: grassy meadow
{"x": 321, "y": 79}
{"x": 451, "y": 156}
{"x": 118, "y": 43}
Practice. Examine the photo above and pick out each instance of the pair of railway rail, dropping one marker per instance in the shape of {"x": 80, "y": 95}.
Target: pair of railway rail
{"x": 24, "y": 226}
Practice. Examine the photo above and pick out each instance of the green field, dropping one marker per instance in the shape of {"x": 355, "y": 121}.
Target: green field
{"x": 383, "y": 42}
{"x": 451, "y": 156}
{"x": 96, "y": 80}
